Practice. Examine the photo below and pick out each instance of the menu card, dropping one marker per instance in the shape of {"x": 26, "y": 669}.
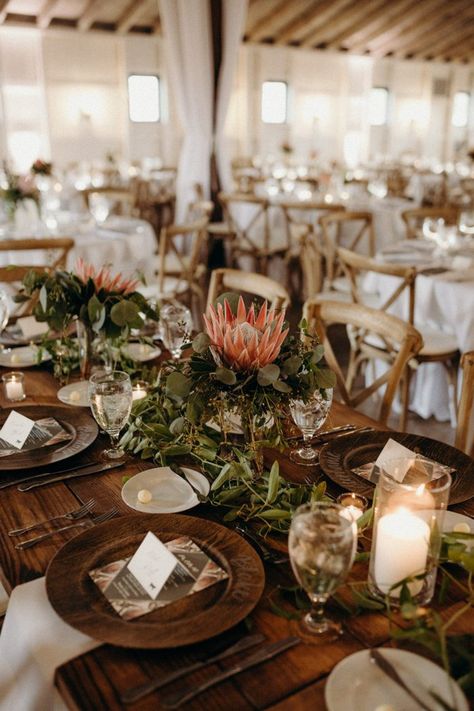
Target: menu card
{"x": 22, "y": 434}
{"x": 156, "y": 575}
{"x": 399, "y": 462}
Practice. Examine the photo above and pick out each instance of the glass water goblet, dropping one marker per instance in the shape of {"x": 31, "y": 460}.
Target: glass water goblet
{"x": 309, "y": 417}
{"x": 322, "y": 545}
{"x": 176, "y": 326}
{"x": 466, "y": 222}
{"x": 110, "y": 399}
{"x": 4, "y": 310}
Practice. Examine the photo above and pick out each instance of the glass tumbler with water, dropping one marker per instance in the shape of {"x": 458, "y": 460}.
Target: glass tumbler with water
{"x": 110, "y": 398}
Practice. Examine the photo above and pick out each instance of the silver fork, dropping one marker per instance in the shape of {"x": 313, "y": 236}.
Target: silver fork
{"x": 69, "y": 515}
{"x": 81, "y": 524}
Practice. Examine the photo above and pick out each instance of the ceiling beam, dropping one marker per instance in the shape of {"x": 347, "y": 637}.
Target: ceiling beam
{"x": 456, "y": 50}
{"x": 266, "y": 25}
{"x": 3, "y": 10}
{"x": 337, "y": 22}
{"x": 90, "y": 15}
{"x": 357, "y": 22}
{"x": 413, "y": 16}
{"x": 446, "y": 36}
{"x": 319, "y": 13}
{"x": 130, "y": 15}
{"x": 46, "y": 14}
{"x": 357, "y": 41}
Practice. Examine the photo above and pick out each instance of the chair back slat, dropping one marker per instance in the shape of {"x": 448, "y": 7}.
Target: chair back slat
{"x": 223, "y": 280}
{"x": 466, "y": 404}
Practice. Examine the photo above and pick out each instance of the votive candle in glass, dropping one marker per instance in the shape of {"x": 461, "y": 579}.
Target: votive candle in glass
{"x": 355, "y": 504}
{"x": 13, "y": 386}
{"x": 139, "y": 390}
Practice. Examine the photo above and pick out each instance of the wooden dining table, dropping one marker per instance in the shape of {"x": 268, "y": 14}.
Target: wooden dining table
{"x": 94, "y": 681}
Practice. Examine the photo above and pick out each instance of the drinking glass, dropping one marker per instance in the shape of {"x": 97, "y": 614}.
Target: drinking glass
{"x": 309, "y": 417}
{"x": 322, "y": 544}
{"x": 110, "y": 398}
{"x": 176, "y": 324}
{"x": 466, "y": 222}
{"x": 4, "y": 310}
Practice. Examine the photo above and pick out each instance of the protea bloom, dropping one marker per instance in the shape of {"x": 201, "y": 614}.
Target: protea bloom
{"x": 245, "y": 341}
{"x": 103, "y": 279}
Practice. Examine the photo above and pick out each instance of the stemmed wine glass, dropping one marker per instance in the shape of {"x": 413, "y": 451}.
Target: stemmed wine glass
{"x": 4, "y": 310}
{"x": 110, "y": 398}
{"x": 309, "y": 417}
{"x": 322, "y": 545}
{"x": 176, "y": 326}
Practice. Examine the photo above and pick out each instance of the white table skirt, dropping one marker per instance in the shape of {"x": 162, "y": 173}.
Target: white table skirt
{"x": 126, "y": 244}
{"x": 34, "y": 642}
{"x": 442, "y": 304}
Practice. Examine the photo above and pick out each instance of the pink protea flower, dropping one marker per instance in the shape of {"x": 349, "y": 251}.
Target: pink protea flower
{"x": 245, "y": 341}
{"x": 103, "y": 279}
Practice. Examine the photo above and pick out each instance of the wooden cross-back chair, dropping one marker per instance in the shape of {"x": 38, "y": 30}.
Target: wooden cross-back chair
{"x": 224, "y": 280}
{"x": 52, "y": 251}
{"x": 331, "y": 226}
{"x": 414, "y": 218}
{"x": 439, "y": 347}
{"x": 251, "y": 235}
{"x": 302, "y": 224}
{"x": 405, "y": 341}
{"x": 466, "y": 404}
{"x": 181, "y": 261}
{"x": 122, "y": 200}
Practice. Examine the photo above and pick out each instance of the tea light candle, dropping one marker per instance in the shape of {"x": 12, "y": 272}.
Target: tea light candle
{"x": 401, "y": 550}
{"x": 139, "y": 390}
{"x": 355, "y": 504}
{"x": 13, "y": 386}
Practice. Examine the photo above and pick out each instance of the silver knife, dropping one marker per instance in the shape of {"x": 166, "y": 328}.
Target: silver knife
{"x": 93, "y": 469}
{"x": 38, "y": 477}
{"x": 268, "y": 651}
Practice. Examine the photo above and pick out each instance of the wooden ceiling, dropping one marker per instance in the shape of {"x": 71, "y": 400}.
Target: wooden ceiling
{"x": 441, "y": 30}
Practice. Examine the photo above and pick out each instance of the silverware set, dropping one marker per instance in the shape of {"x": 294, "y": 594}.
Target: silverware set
{"x": 79, "y": 513}
{"x": 267, "y": 554}
{"x": 173, "y": 701}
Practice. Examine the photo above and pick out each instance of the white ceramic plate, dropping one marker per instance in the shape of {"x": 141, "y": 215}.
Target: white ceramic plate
{"x": 76, "y": 394}
{"x": 170, "y": 493}
{"x": 451, "y": 519}
{"x": 141, "y": 352}
{"x": 23, "y": 357}
{"x": 357, "y": 683}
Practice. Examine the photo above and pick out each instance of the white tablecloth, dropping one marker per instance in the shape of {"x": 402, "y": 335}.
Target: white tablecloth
{"x": 34, "y": 641}
{"x": 445, "y": 304}
{"x": 126, "y": 244}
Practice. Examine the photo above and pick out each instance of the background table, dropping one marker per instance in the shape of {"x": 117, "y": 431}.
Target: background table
{"x": 293, "y": 681}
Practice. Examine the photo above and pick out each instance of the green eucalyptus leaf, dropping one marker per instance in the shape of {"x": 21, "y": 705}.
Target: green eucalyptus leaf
{"x": 325, "y": 378}
{"x": 281, "y": 386}
{"x": 43, "y": 297}
{"x": 178, "y": 385}
{"x": 201, "y": 343}
{"x": 232, "y": 299}
{"x": 270, "y": 373}
{"x": 177, "y": 426}
{"x": 318, "y": 353}
{"x": 125, "y": 313}
{"x": 226, "y": 376}
{"x": 292, "y": 365}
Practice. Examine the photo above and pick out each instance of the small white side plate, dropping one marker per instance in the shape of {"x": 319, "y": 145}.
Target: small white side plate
{"x": 170, "y": 493}
{"x": 76, "y": 394}
{"x": 23, "y": 357}
{"x": 141, "y": 352}
{"x": 357, "y": 683}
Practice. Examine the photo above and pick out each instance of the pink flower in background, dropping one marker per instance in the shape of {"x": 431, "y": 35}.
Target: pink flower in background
{"x": 245, "y": 341}
{"x": 103, "y": 279}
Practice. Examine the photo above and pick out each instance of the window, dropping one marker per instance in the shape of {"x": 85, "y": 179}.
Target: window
{"x": 274, "y": 101}
{"x": 144, "y": 98}
{"x": 378, "y": 106}
{"x": 460, "y": 109}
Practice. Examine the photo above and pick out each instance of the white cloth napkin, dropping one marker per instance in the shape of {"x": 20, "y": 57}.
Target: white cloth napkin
{"x": 35, "y": 641}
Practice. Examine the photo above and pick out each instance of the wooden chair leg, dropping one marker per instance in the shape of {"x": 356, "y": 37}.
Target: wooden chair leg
{"x": 451, "y": 367}
{"x": 405, "y": 397}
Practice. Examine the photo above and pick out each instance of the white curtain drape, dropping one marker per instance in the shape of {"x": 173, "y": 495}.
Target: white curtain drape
{"x": 187, "y": 29}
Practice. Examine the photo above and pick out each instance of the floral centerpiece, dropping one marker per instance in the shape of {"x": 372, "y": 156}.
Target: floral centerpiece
{"x": 41, "y": 167}
{"x": 17, "y": 190}
{"x": 97, "y": 301}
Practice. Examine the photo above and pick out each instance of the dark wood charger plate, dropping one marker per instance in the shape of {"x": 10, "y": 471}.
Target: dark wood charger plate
{"x": 339, "y": 457}
{"x": 195, "y": 618}
{"x": 76, "y": 421}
